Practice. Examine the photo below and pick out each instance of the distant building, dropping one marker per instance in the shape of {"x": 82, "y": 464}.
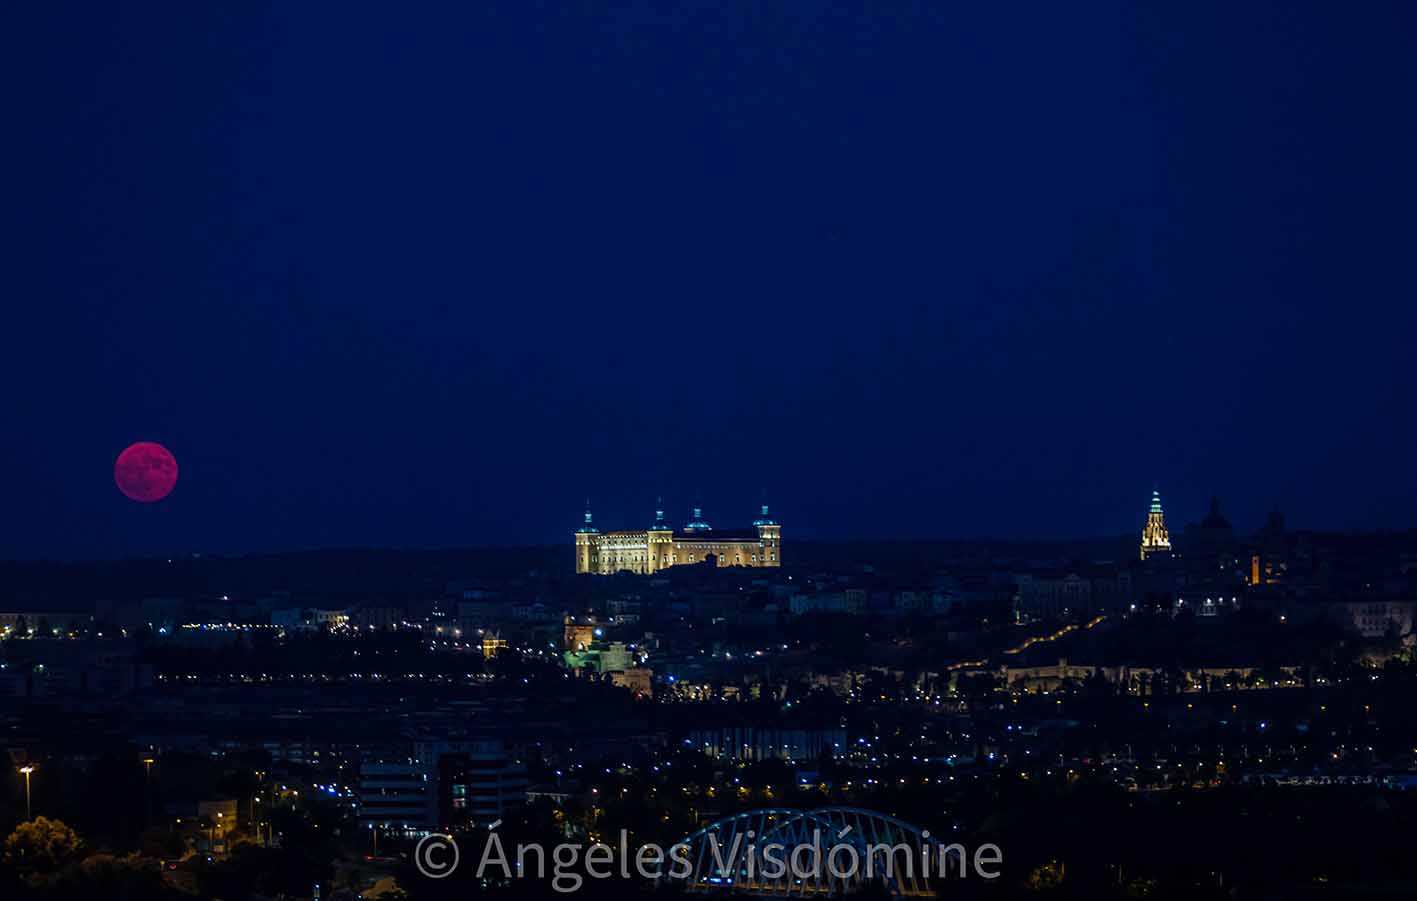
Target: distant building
{"x": 492, "y": 644}
{"x": 445, "y": 783}
{"x": 46, "y": 667}
{"x": 637, "y": 679}
{"x": 615, "y": 657}
{"x": 477, "y": 780}
{"x": 1376, "y": 618}
{"x": 381, "y": 617}
{"x": 307, "y": 618}
{"x": 1271, "y": 565}
{"x": 662, "y": 546}
{"x": 849, "y": 600}
{"x": 1155, "y": 540}
{"x": 577, "y": 637}
{"x": 396, "y": 795}
{"x": 584, "y": 648}
{"x": 751, "y": 743}
{"x": 1215, "y": 528}
{"x": 44, "y": 624}
{"x": 220, "y": 815}
{"x": 1053, "y": 594}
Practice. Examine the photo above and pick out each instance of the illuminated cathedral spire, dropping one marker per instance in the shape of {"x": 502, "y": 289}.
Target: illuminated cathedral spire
{"x": 1154, "y": 537}
{"x": 659, "y": 524}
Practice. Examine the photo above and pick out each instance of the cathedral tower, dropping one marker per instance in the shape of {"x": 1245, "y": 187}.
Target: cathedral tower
{"x": 1154, "y": 537}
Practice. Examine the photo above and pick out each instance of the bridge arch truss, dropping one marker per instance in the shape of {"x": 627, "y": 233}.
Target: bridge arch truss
{"x": 838, "y": 851}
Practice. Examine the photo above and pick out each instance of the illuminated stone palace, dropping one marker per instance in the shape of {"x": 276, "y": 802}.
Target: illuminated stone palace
{"x": 1154, "y": 537}
{"x": 662, "y": 546}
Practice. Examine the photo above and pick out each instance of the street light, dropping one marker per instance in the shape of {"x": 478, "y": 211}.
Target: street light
{"x": 148, "y": 785}
{"x": 212, "y": 828}
{"x": 27, "y": 770}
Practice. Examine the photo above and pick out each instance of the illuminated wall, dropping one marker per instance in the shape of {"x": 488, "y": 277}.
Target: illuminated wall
{"x": 655, "y": 549}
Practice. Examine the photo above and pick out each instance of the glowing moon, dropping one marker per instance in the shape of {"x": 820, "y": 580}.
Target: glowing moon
{"x": 145, "y": 472}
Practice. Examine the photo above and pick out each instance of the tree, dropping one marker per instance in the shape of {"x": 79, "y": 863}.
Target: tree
{"x": 1096, "y": 685}
{"x": 978, "y": 688}
{"x": 111, "y": 878}
{"x": 1045, "y": 877}
{"x": 270, "y": 871}
{"x": 42, "y": 846}
{"x": 162, "y": 844}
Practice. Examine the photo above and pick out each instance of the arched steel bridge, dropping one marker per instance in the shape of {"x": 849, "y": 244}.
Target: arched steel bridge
{"x": 856, "y": 847}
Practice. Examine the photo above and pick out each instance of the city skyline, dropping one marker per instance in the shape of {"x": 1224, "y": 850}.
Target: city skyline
{"x": 1192, "y": 512}
{"x": 971, "y": 438}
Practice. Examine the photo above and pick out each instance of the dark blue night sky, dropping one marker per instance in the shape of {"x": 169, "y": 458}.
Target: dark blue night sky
{"x": 429, "y": 275}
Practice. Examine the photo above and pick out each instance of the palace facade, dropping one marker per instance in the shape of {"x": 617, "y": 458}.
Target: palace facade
{"x": 662, "y": 546}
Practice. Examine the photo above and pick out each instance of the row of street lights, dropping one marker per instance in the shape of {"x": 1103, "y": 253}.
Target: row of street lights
{"x": 148, "y": 762}
{"x": 29, "y": 768}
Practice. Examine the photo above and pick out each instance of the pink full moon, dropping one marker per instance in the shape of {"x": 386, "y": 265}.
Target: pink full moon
{"x": 145, "y": 472}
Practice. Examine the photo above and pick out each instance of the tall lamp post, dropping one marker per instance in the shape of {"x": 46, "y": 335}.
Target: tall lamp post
{"x": 29, "y": 815}
{"x": 148, "y": 785}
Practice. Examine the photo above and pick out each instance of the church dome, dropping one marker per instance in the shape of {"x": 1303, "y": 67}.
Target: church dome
{"x": 697, "y": 523}
{"x": 1214, "y": 519}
